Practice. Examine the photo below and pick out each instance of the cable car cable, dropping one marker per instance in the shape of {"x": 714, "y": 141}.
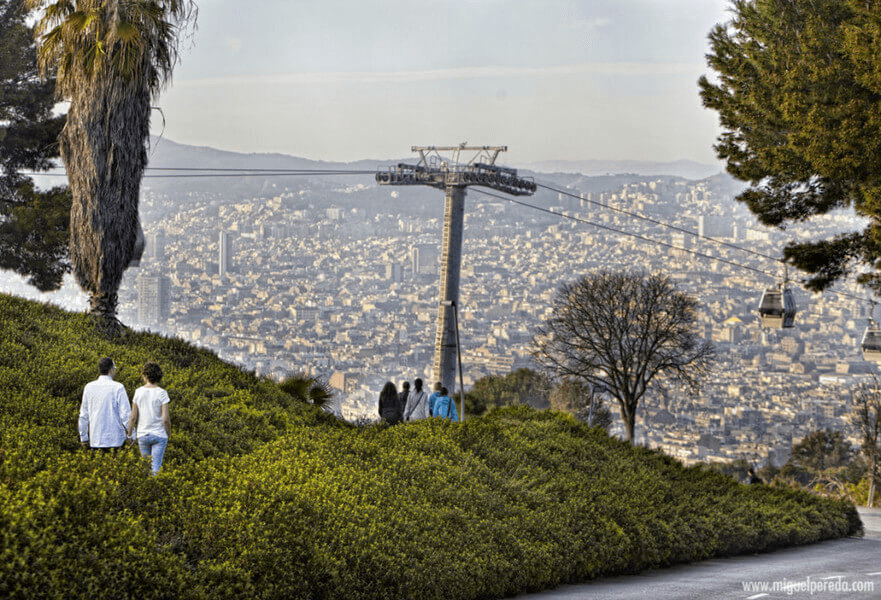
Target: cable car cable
{"x": 192, "y": 172}
{"x": 662, "y": 224}
{"x": 660, "y": 243}
{"x": 691, "y": 233}
{"x": 274, "y": 171}
{"x": 627, "y": 233}
{"x": 205, "y": 172}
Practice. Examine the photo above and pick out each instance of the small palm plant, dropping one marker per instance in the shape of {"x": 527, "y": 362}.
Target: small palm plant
{"x": 307, "y": 389}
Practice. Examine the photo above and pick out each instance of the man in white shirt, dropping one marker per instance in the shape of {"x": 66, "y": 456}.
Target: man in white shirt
{"x": 105, "y": 410}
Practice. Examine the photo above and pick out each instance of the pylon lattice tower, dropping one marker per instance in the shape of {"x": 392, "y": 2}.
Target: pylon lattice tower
{"x": 452, "y": 176}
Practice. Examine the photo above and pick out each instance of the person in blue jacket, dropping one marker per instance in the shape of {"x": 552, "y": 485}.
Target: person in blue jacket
{"x": 444, "y": 407}
{"x": 433, "y": 397}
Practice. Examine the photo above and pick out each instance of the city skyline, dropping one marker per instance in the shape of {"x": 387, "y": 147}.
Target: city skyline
{"x": 343, "y": 80}
{"x": 329, "y": 277}
{"x": 327, "y": 285}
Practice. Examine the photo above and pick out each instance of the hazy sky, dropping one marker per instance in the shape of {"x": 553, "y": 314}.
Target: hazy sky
{"x": 353, "y": 79}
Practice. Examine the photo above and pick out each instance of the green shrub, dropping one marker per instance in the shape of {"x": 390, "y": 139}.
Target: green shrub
{"x": 75, "y": 530}
{"x": 264, "y": 496}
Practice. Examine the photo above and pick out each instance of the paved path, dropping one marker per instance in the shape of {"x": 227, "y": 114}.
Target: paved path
{"x": 849, "y": 569}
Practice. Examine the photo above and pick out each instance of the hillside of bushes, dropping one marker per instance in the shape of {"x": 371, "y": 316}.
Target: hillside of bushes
{"x": 264, "y": 496}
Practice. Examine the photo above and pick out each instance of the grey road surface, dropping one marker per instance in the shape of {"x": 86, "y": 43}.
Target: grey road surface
{"x": 846, "y": 569}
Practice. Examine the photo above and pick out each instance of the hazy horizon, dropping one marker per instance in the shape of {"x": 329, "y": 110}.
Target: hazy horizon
{"x": 342, "y": 80}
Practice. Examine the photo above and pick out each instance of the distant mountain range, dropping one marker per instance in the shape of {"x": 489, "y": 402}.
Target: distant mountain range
{"x": 166, "y": 153}
{"x": 688, "y": 169}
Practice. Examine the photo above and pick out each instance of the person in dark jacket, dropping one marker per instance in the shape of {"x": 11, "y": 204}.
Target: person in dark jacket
{"x": 389, "y": 408}
{"x": 403, "y": 397}
{"x": 752, "y": 478}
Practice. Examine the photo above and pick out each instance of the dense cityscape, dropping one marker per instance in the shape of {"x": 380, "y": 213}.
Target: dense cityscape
{"x": 337, "y": 277}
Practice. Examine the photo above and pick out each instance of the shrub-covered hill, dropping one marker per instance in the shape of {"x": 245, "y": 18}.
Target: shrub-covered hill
{"x": 263, "y": 496}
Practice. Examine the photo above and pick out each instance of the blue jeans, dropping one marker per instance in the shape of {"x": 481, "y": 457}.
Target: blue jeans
{"x": 153, "y": 446}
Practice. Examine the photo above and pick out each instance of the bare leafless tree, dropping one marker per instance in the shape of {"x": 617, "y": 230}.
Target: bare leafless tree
{"x": 867, "y": 417}
{"x": 625, "y": 332}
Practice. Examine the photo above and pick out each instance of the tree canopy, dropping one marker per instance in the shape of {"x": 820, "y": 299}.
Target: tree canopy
{"x": 797, "y": 86}
{"x": 522, "y": 386}
{"x": 33, "y": 223}
{"x": 820, "y": 450}
{"x": 583, "y": 401}
{"x": 623, "y": 332}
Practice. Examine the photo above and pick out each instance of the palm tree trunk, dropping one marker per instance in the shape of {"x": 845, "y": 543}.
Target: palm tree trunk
{"x": 111, "y": 58}
{"x": 102, "y": 306}
{"x": 103, "y": 145}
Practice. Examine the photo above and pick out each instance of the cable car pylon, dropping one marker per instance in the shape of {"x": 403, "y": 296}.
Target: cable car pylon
{"x": 453, "y": 177}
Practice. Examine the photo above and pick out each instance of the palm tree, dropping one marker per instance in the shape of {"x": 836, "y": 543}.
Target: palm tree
{"x": 111, "y": 58}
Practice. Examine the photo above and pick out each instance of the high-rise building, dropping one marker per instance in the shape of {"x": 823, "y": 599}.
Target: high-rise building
{"x": 156, "y": 245}
{"x": 715, "y": 226}
{"x": 678, "y": 240}
{"x": 154, "y": 299}
{"x": 425, "y": 259}
{"x": 225, "y": 262}
{"x": 394, "y": 272}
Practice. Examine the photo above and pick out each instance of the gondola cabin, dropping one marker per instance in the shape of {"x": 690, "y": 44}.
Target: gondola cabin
{"x": 777, "y": 308}
{"x": 871, "y": 344}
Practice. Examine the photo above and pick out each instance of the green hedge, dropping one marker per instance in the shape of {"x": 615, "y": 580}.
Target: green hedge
{"x": 265, "y": 497}
{"x": 47, "y": 355}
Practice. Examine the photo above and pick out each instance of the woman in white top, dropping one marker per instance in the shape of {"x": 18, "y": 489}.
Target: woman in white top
{"x": 150, "y": 417}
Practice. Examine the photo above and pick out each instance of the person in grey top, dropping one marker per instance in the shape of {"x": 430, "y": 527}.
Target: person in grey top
{"x": 417, "y": 403}
{"x": 105, "y": 410}
{"x": 402, "y": 397}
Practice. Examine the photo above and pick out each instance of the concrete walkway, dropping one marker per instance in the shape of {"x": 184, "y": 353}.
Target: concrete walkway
{"x": 842, "y": 569}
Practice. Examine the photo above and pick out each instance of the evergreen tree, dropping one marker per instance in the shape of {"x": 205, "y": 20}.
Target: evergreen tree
{"x": 33, "y": 224}
{"x": 583, "y": 401}
{"x": 820, "y": 450}
{"x": 522, "y": 386}
{"x": 798, "y": 92}
{"x": 867, "y": 417}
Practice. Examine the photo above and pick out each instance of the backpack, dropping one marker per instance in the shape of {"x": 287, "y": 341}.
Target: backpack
{"x": 442, "y": 407}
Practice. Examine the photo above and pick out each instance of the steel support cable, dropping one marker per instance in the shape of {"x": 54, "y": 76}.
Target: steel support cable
{"x": 686, "y": 231}
{"x": 627, "y": 233}
{"x": 193, "y": 172}
{"x": 246, "y": 174}
{"x": 662, "y": 224}
{"x": 660, "y": 243}
{"x": 267, "y": 171}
